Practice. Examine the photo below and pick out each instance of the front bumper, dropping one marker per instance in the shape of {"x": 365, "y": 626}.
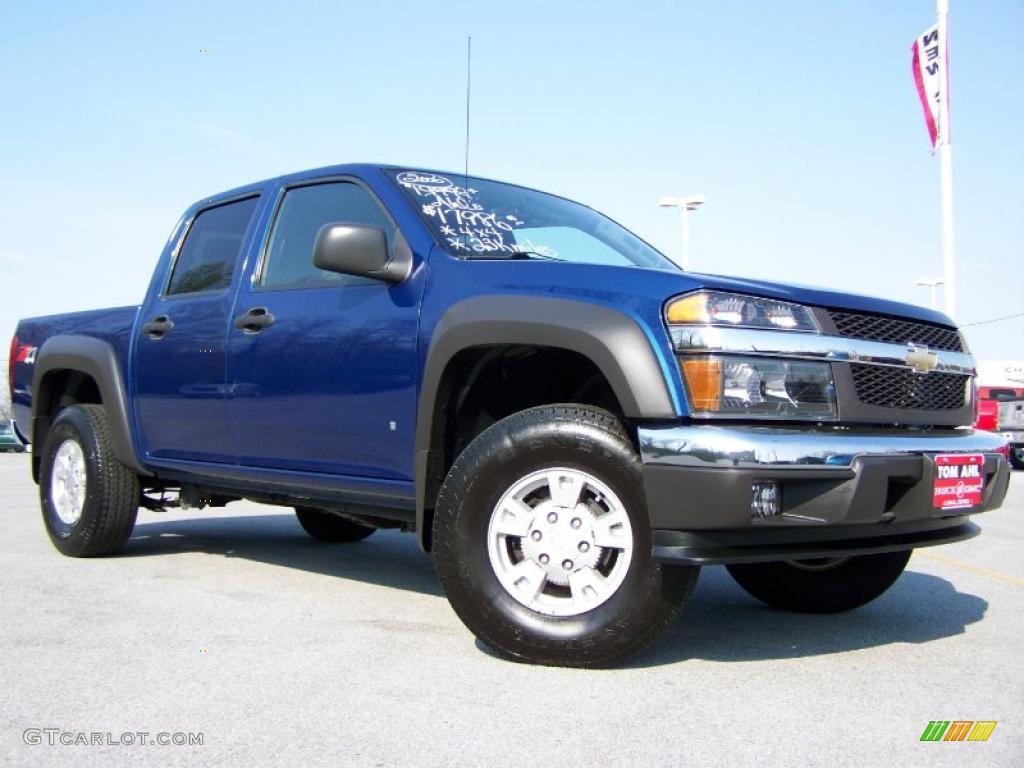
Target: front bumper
{"x": 844, "y": 491}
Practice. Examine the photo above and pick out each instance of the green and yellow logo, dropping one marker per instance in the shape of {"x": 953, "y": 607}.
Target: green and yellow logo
{"x": 958, "y": 730}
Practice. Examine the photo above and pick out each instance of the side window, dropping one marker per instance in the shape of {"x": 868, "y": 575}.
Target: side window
{"x": 289, "y": 259}
{"x": 208, "y": 256}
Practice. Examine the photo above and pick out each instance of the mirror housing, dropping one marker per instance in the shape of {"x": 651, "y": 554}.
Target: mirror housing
{"x": 362, "y": 250}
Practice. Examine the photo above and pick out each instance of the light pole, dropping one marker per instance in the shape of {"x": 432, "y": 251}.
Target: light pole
{"x": 931, "y": 283}
{"x": 946, "y": 170}
{"x": 685, "y": 205}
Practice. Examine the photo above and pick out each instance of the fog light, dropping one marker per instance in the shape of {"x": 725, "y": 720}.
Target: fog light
{"x": 765, "y": 500}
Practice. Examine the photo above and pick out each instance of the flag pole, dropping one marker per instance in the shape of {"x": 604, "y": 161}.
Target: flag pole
{"x": 946, "y": 170}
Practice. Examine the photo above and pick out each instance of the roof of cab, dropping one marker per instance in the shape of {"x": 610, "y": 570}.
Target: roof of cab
{"x": 355, "y": 169}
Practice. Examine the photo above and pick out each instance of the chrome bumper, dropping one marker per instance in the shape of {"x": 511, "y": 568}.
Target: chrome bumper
{"x": 842, "y": 491}
{"x": 711, "y": 446}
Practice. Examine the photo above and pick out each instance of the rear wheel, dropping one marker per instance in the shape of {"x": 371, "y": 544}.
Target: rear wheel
{"x": 543, "y": 545}
{"x": 1017, "y": 456}
{"x": 821, "y": 585}
{"x": 323, "y": 526}
{"x": 89, "y": 499}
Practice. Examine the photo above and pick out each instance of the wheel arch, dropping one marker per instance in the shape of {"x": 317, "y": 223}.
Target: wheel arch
{"x": 71, "y": 364}
{"x": 613, "y": 342}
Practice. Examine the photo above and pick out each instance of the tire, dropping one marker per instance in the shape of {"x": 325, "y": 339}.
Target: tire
{"x": 1017, "y": 456}
{"x": 96, "y": 519}
{"x": 575, "y": 452}
{"x": 821, "y": 586}
{"x": 323, "y": 526}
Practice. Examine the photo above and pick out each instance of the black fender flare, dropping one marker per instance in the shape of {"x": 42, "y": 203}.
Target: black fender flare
{"x": 616, "y": 344}
{"x": 97, "y": 359}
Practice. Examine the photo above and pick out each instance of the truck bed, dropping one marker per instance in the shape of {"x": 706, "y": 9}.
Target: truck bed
{"x": 113, "y": 326}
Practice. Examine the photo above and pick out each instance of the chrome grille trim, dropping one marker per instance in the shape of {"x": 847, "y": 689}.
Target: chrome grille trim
{"x": 808, "y": 346}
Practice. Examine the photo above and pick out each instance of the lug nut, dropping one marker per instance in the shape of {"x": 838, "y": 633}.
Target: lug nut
{"x": 576, "y": 522}
{"x": 567, "y": 564}
{"x": 584, "y": 546}
{"x": 552, "y": 517}
{"x": 535, "y": 535}
{"x": 543, "y": 559}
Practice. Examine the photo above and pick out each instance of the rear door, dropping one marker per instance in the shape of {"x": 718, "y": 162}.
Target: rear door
{"x": 180, "y": 347}
{"x": 325, "y": 381}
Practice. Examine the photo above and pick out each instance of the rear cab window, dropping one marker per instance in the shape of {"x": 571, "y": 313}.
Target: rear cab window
{"x": 208, "y": 257}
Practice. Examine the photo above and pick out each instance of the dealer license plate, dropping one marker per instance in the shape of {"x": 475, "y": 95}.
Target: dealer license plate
{"x": 959, "y": 481}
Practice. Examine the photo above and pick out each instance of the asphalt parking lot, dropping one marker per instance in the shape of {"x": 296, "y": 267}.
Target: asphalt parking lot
{"x": 234, "y": 624}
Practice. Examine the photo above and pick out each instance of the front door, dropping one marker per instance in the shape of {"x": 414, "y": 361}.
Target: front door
{"x": 321, "y": 370}
{"x": 180, "y": 346}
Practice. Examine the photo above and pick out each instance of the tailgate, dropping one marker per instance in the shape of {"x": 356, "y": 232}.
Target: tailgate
{"x": 1011, "y": 415}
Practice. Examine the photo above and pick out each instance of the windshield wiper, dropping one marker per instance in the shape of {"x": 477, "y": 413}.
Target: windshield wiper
{"x": 533, "y": 255}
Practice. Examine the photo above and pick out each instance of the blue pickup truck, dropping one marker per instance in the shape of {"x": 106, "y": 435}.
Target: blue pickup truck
{"x": 571, "y": 424}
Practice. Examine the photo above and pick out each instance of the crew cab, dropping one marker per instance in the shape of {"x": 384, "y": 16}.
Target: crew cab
{"x": 570, "y": 423}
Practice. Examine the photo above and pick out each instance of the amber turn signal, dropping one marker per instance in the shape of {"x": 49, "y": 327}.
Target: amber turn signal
{"x": 688, "y": 310}
{"x": 703, "y": 382}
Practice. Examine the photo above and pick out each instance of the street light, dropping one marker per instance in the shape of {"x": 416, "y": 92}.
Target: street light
{"x": 685, "y": 205}
{"x": 932, "y": 283}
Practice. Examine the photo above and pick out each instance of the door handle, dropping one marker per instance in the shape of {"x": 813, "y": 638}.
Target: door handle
{"x": 158, "y": 327}
{"x": 254, "y": 321}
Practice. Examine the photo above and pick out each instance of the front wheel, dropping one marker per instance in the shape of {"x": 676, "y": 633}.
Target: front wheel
{"x": 543, "y": 545}
{"x": 821, "y": 585}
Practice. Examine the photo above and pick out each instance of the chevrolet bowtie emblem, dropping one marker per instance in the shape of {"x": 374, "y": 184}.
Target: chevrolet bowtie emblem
{"x": 920, "y": 359}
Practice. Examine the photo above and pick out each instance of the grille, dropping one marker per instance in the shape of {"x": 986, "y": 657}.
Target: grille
{"x": 901, "y": 388}
{"x": 891, "y": 329}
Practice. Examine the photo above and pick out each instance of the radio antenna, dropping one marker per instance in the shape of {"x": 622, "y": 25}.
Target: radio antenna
{"x": 469, "y": 71}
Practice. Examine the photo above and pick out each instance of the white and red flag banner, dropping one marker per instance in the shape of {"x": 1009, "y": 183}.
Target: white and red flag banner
{"x": 931, "y": 75}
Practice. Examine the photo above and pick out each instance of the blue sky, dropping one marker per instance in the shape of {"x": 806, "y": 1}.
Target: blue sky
{"x": 798, "y": 121}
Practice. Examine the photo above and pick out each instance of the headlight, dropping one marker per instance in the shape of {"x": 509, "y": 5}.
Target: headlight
{"x": 731, "y": 309}
{"x": 760, "y": 387}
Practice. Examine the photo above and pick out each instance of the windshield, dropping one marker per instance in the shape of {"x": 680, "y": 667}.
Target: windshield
{"x": 480, "y": 219}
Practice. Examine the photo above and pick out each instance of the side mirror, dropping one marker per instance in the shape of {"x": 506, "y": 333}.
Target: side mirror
{"x": 361, "y": 250}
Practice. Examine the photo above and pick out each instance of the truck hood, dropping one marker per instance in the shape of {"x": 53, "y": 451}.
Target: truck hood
{"x": 812, "y": 295}
{"x": 646, "y": 290}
